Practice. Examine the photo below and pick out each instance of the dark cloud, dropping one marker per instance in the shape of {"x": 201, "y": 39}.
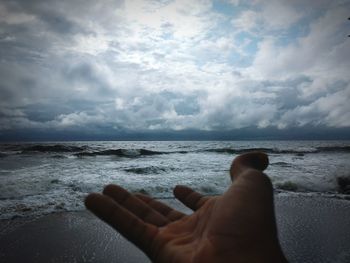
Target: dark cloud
{"x": 187, "y": 106}
{"x": 86, "y": 74}
{"x": 60, "y": 24}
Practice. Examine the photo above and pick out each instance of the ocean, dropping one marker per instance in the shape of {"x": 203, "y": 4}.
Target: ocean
{"x": 41, "y": 178}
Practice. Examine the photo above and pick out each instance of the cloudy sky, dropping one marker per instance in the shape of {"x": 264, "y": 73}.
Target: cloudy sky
{"x": 98, "y": 66}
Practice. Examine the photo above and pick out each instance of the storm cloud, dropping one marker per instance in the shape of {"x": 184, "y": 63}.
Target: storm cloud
{"x": 173, "y": 65}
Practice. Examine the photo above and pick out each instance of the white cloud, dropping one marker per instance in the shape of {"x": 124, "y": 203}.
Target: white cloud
{"x": 268, "y": 16}
{"x": 77, "y": 119}
{"x": 332, "y": 110}
{"x": 246, "y": 21}
{"x": 92, "y": 45}
{"x": 186, "y": 18}
{"x": 318, "y": 53}
{"x": 175, "y": 65}
{"x": 278, "y": 14}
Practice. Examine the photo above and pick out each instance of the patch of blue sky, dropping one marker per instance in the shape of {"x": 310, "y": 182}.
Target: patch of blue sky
{"x": 243, "y": 36}
{"x": 225, "y": 27}
{"x": 225, "y": 8}
{"x": 248, "y": 42}
{"x": 251, "y": 48}
{"x": 238, "y": 60}
{"x": 222, "y": 29}
{"x": 167, "y": 36}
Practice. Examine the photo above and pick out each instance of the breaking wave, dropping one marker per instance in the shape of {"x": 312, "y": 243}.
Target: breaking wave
{"x": 120, "y": 152}
{"x": 334, "y": 149}
{"x": 282, "y": 151}
{"x": 58, "y": 148}
{"x": 149, "y": 170}
{"x": 282, "y": 164}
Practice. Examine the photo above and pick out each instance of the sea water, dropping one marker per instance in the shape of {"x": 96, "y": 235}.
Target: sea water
{"x": 41, "y": 178}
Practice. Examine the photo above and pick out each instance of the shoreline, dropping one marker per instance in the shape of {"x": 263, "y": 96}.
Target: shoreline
{"x": 311, "y": 229}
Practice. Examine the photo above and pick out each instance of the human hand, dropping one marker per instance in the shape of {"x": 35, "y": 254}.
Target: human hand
{"x": 238, "y": 226}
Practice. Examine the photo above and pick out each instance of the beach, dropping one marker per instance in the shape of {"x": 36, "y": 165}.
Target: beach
{"x": 311, "y": 229}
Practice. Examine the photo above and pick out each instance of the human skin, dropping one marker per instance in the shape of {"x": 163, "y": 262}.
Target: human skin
{"x": 238, "y": 226}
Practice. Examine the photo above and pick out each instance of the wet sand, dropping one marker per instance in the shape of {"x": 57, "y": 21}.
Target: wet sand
{"x": 311, "y": 229}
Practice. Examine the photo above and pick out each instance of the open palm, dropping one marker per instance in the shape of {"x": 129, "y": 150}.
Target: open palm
{"x": 238, "y": 226}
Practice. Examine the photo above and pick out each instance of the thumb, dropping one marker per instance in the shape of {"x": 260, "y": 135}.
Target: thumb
{"x": 252, "y": 190}
{"x": 253, "y": 160}
{"x": 251, "y": 196}
{"x": 246, "y": 173}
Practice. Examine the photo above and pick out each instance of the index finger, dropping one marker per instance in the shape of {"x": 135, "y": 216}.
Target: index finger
{"x": 125, "y": 222}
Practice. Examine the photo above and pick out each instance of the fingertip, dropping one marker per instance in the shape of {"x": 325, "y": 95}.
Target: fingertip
{"x": 253, "y": 160}
{"x": 90, "y": 200}
{"x": 178, "y": 186}
{"x": 110, "y": 188}
{"x": 179, "y": 190}
{"x": 260, "y": 161}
